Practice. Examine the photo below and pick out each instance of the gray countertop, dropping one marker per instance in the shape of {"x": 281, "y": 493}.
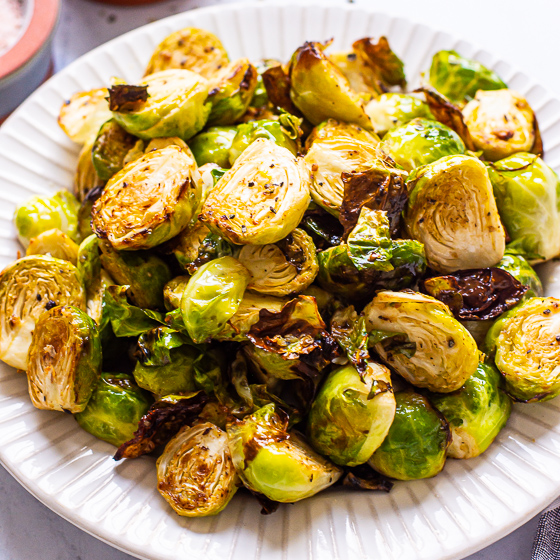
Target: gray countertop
{"x": 526, "y": 36}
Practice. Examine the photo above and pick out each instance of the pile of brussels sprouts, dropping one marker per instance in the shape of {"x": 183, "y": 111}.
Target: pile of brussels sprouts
{"x": 288, "y": 276}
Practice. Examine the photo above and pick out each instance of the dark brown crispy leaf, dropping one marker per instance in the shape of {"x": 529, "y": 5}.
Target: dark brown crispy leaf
{"x": 386, "y": 64}
{"x": 127, "y": 98}
{"x": 162, "y": 421}
{"x": 448, "y": 114}
{"x": 277, "y": 85}
{"x": 538, "y": 147}
{"x": 268, "y": 506}
{"x": 364, "y": 477}
{"x": 325, "y": 230}
{"x": 375, "y": 189}
{"x": 477, "y": 294}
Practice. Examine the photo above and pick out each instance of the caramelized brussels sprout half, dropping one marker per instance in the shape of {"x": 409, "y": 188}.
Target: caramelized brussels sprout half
{"x": 426, "y": 344}
{"x": 321, "y": 91}
{"x": 86, "y": 179}
{"x": 273, "y": 462}
{"x": 114, "y": 409}
{"x": 195, "y": 472}
{"x": 528, "y": 198}
{"x": 523, "y": 272}
{"x": 527, "y": 350}
{"x": 28, "y": 287}
{"x": 55, "y": 244}
{"x": 81, "y": 116}
{"x": 334, "y": 148}
{"x": 173, "y": 292}
{"x": 351, "y": 414}
{"x": 452, "y": 211}
{"x": 390, "y": 110}
{"x": 212, "y": 296}
{"x": 261, "y": 199}
{"x": 459, "y": 78}
{"x": 286, "y": 267}
{"x": 501, "y": 123}
{"x": 213, "y": 145}
{"x": 421, "y": 141}
{"x": 476, "y": 412}
{"x": 360, "y": 76}
{"x": 231, "y": 91}
{"x": 417, "y": 442}
{"x": 150, "y": 200}
{"x": 64, "y": 360}
{"x": 40, "y": 214}
{"x": 189, "y": 49}
{"x": 175, "y": 104}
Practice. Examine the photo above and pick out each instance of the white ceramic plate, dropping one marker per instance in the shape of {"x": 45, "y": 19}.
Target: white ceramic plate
{"x": 471, "y": 504}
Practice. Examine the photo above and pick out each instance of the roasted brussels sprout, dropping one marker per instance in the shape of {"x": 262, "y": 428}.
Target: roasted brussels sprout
{"x": 81, "y": 116}
{"x": 334, "y": 148}
{"x": 189, "y": 49}
{"x": 452, "y": 211}
{"x": 522, "y": 271}
{"x": 28, "y": 287}
{"x": 86, "y": 180}
{"x": 395, "y": 109}
{"x": 273, "y": 462}
{"x": 195, "y": 472}
{"x": 501, "y": 123}
{"x": 110, "y": 148}
{"x": 459, "y": 78}
{"x": 212, "y": 296}
{"x": 262, "y": 198}
{"x": 114, "y": 409}
{"x": 176, "y": 104}
{"x": 144, "y": 274}
{"x": 55, "y": 244}
{"x": 360, "y": 76}
{"x": 320, "y": 90}
{"x": 527, "y": 350}
{"x": 476, "y": 412}
{"x": 40, "y": 214}
{"x": 213, "y": 145}
{"x": 417, "y": 442}
{"x": 231, "y": 91}
{"x": 286, "y": 267}
{"x": 150, "y": 200}
{"x": 64, "y": 360}
{"x": 173, "y": 292}
{"x": 421, "y": 141}
{"x": 528, "y": 199}
{"x": 427, "y": 345}
{"x": 351, "y": 414}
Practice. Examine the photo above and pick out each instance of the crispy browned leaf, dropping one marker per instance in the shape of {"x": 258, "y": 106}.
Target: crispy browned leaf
{"x": 124, "y": 97}
{"x": 162, "y": 421}
{"x": 325, "y": 230}
{"x": 277, "y": 85}
{"x": 538, "y": 147}
{"x": 379, "y": 56}
{"x": 477, "y": 294}
{"x": 364, "y": 477}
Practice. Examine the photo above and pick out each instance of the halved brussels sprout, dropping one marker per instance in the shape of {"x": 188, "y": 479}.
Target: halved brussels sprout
{"x": 286, "y": 267}
{"x": 321, "y": 91}
{"x": 421, "y": 141}
{"x": 501, "y": 123}
{"x": 273, "y": 462}
{"x": 395, "y": 109}
{"x": 459, "y": 78}
{"x": 86, "y": 180}
{"x": 417, "y": 442}
{"x": 360, "y": 76}
{"x": 81, "y": 116}
{"x": 527, "y": 347}
{"x": 173, "y": 292}
{"x": 427, "y": 346}
{"x": 476, "y": 412}
{"x": 54, "y": 243}
{"x": 28, "y": 287}
{"x": 351, "y": 414}
{"x": 40, "y": 214}
{"x": 262, "y": 198}
{"x": 195, "y": 472}
{"x": 260, "y": 99}
{"x": 64, "y": 360}
{"x": 213, "y": 145}
{"x": 231, "y": 91}
{"x": 150, "y": 200}
{"x": 334, "y": 148}
{"x": 522, "y": 271}
{"x": 176, "y": 104}
{"x": 528, "y": 197}
{"x": 144, "y": 274}
{"x": 189, "y": 49}
{"x": 452, "y": 211}
{"x": 114, "y": 409}
{"x": 212, "y": 296}
{"x": 89, "y": 260}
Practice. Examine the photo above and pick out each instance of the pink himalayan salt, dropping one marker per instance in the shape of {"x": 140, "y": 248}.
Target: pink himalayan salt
{"x": 11, "y": 20}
